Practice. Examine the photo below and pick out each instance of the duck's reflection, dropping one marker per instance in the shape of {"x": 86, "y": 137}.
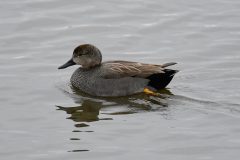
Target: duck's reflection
{"x": 88, "y": 111}
{"x": 89, "y": 107}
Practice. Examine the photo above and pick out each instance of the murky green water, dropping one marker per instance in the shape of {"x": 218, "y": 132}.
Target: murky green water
{"x": 197, "y": 116}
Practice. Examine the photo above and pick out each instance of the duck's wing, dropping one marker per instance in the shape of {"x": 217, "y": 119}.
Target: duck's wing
{"x": 120, "y": 69}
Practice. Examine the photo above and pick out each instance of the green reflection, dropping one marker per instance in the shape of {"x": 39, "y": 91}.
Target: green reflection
{"x": 89, "y": 107}
{"x": 88, "y": 111}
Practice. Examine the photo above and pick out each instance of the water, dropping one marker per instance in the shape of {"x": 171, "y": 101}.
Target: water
{"x": 197, "y": 117}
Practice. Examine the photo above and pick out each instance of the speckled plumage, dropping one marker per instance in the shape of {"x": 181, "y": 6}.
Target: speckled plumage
{"x": 92, "y": 82}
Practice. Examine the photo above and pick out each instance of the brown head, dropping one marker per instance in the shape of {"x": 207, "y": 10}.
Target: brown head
{"x": 86, "y": 55}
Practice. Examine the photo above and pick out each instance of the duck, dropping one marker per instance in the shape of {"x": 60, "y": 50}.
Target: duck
{"x": 115, "y": 78}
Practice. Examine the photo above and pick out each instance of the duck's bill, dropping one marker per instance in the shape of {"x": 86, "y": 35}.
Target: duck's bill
{"x": 69, "y": 63}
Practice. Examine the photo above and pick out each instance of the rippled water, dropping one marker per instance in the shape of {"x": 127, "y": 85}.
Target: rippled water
{"x": 43, "y": 117}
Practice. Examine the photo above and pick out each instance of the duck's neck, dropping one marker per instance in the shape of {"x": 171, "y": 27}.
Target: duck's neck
{"x": 90, "y": 66}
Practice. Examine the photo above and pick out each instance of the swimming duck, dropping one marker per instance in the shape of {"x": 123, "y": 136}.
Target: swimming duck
{"x": 115, "y": 78}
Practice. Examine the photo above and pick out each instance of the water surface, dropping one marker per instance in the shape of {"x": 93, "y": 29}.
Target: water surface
{"x": 197, "y": 116}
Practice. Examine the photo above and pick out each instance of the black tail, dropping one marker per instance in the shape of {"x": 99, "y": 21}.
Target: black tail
{"x": 161, "y": 80}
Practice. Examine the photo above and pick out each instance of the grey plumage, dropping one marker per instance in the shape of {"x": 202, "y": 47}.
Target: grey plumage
{"x": 115, "y": 78}
{"x": 93, "y": 83}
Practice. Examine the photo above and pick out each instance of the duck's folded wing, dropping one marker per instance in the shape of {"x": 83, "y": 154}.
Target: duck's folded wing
{"x": 120, "y": 69}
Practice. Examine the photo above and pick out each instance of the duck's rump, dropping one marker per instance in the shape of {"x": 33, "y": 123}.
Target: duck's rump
{"x": 161, "y": 80}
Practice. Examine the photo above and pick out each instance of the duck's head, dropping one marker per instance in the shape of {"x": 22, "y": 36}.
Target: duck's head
{"x": 86, "y": 55}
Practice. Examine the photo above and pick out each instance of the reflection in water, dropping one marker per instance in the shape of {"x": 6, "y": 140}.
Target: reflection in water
{"x": 74, "y": 139}
{"x": 90, "y": 109}
{"x": 80, "y": 150}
